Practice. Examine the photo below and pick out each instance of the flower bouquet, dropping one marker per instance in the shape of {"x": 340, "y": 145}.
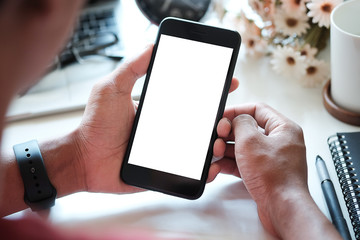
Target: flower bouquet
{"x": 292, "y": 32}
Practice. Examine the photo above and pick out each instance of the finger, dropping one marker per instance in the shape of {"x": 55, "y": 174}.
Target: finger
{"x": 226, "y": 166}
{"x": 126, "y": 75}
{"x": 233, "y": 111}
{"x": 246, "y": 133}
{"x": 224, "y": 128}
{"x": 234, "y": 85}
{"x": 219, "y": 148}
{"x": 265, "y": 116}
{"x": 214, "y": 170}
{"x": 244, "y": 125}
{"x": 222, "y": 149}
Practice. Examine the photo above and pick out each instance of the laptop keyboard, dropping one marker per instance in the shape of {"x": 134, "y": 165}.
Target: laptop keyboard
{"x": 101, "y": 23}
{"x": 96, "y": 33}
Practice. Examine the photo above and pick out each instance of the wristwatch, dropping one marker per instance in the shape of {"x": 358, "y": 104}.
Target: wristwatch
{"x": 39, "y": 193}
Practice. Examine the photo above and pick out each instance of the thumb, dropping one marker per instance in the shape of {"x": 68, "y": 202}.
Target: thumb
{"x": 245, "y": 129}
{"x": 126, "y": 75}
{"x": 244, "y": 124}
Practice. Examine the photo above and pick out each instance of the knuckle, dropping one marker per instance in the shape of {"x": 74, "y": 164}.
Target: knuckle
{"x": 295, "y": 137}
{"x": 262, "y": 105}
{"x": 295, "y": 129}
{"x": 243, "y": 118}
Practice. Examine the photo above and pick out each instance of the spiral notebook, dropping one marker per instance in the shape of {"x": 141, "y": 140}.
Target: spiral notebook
{"x": 345, "y": 151}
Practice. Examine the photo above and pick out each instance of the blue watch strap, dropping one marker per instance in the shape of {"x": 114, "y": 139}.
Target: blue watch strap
{"x": 39, "y": 193}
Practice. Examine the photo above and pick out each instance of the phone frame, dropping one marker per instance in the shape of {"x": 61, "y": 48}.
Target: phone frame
{"x": 173, "y": 184}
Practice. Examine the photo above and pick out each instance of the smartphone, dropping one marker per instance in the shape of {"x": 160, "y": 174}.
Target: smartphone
{"x": 185, "y": 90}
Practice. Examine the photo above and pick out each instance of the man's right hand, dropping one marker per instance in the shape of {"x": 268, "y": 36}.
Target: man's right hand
{"x": 270, "y": 156}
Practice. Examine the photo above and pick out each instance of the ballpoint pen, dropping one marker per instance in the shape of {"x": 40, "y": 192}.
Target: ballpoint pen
{"x": 331, "y": 199}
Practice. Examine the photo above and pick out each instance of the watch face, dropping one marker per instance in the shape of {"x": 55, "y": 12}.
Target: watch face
{"x": 157, "y": 10}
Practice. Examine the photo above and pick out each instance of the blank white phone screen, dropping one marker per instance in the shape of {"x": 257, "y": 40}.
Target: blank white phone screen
{"x": 180, "y": 106}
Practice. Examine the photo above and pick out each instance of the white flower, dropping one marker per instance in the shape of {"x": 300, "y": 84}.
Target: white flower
{"x": 289, "y": 24}
{"x": 249, "y": 27}
{"x": 254, "y": 45}
{"x": 256, "y": 5}
{"x": 294, "y": 7}
{"x": 317, "y": 72}
{"x": 320, "y": 11}
{"x": 288, "y": 62}
{"x": 250, "y": 33}
{"x": 265, "y": 8}
{"x": 308, "y": 51}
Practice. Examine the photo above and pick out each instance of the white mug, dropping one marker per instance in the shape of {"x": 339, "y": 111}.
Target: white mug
{"x": 345, "y": 55}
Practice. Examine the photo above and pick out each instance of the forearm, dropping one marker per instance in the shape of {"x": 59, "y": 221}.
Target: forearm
{"x": 62, "y": 166}
{"x": 295, "y": 215}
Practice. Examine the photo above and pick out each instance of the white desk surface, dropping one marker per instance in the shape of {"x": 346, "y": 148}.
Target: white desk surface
{"x": 226, "y": 210}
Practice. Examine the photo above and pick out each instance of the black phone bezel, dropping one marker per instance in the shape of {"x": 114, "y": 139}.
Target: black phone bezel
{"x": 165, "y": 182}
